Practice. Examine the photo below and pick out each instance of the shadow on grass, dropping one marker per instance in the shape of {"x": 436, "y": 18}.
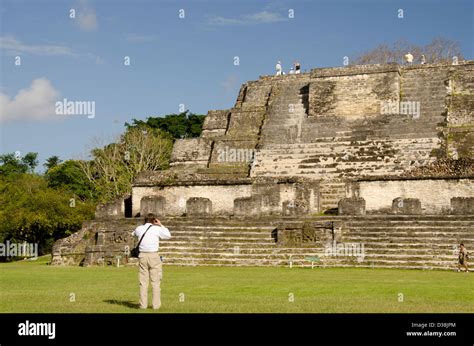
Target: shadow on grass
{"x": 127, "y": 303}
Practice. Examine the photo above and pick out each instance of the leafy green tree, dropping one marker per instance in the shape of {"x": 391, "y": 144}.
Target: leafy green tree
{"x": 51, "y": 162}
{"x": 11, "y": 164}
{"x": 35, "y": 213}
{"x": 31, "y": 160}
{"x": 69, "y": 176}
{"x": 181, "y": 125}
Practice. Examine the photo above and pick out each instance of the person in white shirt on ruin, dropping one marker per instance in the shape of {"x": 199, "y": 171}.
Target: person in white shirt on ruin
{"x": 278, "y": 68}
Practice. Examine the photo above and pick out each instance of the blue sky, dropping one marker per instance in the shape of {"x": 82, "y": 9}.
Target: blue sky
{"x": 176, "y": 60}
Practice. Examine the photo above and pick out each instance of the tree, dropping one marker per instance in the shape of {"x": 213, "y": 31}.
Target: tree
{"x": 181, "y": 125}
{"x": 51, "y": 162}
{"x": 70, "y": 177}
{"x": 34, "y": 213}
{"x": 13, "y": 164}
{"x": 437, "y": 51}
{"x": 115, "y": 166}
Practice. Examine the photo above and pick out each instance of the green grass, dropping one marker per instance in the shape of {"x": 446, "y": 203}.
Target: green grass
{"x": 34, "y": 286}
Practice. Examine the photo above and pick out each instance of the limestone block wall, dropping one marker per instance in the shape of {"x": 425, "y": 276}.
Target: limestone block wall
{"x": 303, "y": 197}
{"x": 460, "y": 104}
{"x": 299, "y": 197}
{"x": 215, "y": 123}
{"x": 353, "y": 92}
{"x": 232, "y": 152}
{"x": 434, "y": 194}
{"x": 221, "y": 196}
{"x": 247, "y": 116}
{"x": 461, "y": 100}
{"x": 191, "y": 150}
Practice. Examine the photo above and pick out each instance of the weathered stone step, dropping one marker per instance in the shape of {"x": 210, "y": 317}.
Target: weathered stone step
{"x": 216, "y": 222}
{"x": 223, "y": 240}
{"x": 344, "y": 149}
{"x": 435, "y": 225}
{"x": 220, "y": 228}
{"x": 342, "y": 158}
{"x": 411, "y": 230}
{"x": 428, "y": 239}
{"x": 181, "y": 231}
{"x": 305, "y": 258}
{"x": 426, "y": 259}
{"x": 369, "y": 250}
{"x": 213, "y": 237}
{"x": 330, "y": 142}
{"x": 416, "y": 246}
{"x": 336, "y": 263}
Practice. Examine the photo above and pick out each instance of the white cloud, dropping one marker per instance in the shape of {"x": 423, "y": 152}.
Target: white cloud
{"x": 263, "y": 17}
{"x": 37, "y": 102}
{"x": 12, "y": 47}
{"x": 86, "y": 16}
{"x": 135, "y": 38}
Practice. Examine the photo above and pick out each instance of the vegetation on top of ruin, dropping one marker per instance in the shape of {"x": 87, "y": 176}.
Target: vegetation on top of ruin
{"x": 463, "y": 167}
{"x": 438, "y": 50}
{"x": 182, "y": 125}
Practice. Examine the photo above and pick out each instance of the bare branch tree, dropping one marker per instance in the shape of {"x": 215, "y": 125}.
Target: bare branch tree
{"x": 438, "y": 50}
{"x": 114, "y": 166}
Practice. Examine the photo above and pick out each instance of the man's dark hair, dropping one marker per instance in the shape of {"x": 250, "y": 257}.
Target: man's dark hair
{"x": 461, "y": 244}
{"x": 150, "y": 217}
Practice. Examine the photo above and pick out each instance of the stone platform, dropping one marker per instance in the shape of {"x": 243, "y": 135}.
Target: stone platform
{"x": 417, "y": 242}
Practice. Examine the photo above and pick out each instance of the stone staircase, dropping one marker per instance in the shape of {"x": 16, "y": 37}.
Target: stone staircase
{"x": 332, "y": 191}
{"x": 406, "y": 242}
{"x": 286, "y": 113}
{"x": 395, "y": 241}
{"x": 428, "y": 87}
{"x": 423, "y": 242}
{"x": 330, "y": 159}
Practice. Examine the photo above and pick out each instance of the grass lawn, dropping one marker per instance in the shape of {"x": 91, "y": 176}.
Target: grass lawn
{"x": 34, "y": 286}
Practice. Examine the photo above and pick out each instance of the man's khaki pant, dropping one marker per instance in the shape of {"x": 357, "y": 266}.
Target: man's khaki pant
{"x": 150, "y": 270}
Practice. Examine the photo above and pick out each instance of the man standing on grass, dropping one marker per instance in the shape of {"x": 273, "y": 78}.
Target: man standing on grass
{"x": 149, "y": 261}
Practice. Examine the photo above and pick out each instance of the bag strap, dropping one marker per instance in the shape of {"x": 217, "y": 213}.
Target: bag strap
{"x": 141, "y": 238}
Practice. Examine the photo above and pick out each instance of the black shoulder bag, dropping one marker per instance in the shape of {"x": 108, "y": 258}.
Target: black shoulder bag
{"x": 136, "y": 250}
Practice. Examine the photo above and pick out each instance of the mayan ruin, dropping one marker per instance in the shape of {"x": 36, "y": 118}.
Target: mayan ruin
{"x": 307, "y": 168}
